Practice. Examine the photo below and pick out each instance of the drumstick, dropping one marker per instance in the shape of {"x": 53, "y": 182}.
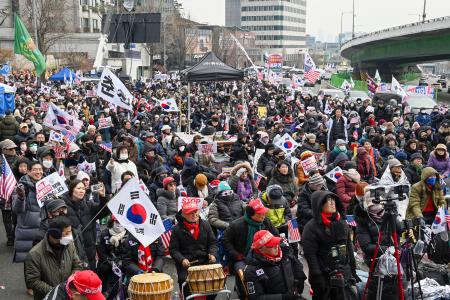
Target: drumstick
{"x": 193, "y": 262}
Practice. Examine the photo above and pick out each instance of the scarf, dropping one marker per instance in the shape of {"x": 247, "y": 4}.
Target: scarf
{"x": 116, "y": 237}
{"x": 328, "y": 218}
{"x": 193, "y": 228}
{"x": 253, "y": 227}
{"x": 364, "y": 164}
{"x": 272, "y": 258}
{"x": 244, "y": 189}
{"x": 145, "y": 259}
{"x": 203, "y": 192}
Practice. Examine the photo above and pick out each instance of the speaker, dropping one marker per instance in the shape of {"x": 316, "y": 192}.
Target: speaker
{"x": 133, "y": 28}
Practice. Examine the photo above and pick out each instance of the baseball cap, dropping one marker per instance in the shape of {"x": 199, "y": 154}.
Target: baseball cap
{"x": 258, "y": 206}
{"x": 167, "y": 181}
{"x": 22, "y": 125}
{"x": 87, "y": 284}
{"x": 8, "y": 144}
{"x": 189, "y": 207}
{"x": 264, "y": 238}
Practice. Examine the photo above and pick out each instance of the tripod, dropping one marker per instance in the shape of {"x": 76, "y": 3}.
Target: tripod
{"x": 411, "y": 263}
{"x": 389, "y": 226}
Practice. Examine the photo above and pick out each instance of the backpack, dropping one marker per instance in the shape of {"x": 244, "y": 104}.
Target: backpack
{"x": 439, "y": 248}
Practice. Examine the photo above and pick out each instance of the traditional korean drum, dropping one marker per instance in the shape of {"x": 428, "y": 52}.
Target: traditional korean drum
{"x": 151, "y": 286}
{"x": 206, "y": 278}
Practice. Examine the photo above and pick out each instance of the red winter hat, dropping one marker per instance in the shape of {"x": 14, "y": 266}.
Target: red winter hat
{"x": 167, "y": 181}
{"x": 265, "y": 238}
{"x": 87, "y": 284}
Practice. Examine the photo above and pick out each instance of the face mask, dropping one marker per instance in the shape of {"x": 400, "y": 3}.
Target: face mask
{"x": 123, "y": 156}
{"x": 47, "y": 164}
{"x": 431, "y": 180}
{"x": 66, "y": 240}
{"x": 23, "y": 147}
{"x": 376, "y": 211}
{"x": 342, "y": 148}
{"x": 182, "y": 148}
{"x": 33, "y": 148}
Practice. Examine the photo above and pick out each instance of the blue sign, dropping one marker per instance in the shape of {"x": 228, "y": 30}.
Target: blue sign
{"x": 5, "y": 69}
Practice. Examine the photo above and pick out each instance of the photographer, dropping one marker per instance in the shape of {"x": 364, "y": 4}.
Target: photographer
{"x": 426, "y": 197}
{"x": 369, "y": 217}
{"x": 331, "y": 276}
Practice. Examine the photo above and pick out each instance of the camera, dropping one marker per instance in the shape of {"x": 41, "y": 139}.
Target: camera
{"x": 388, "y": 193}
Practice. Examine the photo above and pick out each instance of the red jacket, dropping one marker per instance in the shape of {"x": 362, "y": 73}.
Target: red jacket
{"x": 345, "y": 190}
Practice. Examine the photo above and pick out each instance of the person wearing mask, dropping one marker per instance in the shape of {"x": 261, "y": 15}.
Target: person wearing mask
{"x": 346, "y": 185}
{"x": 180, "y": 155}
{"x": 440, "y": 160}
{"x": 426, "y": 197}
{"x": 46, "y": 156}
{"x": 81, "y": 285}
{"x": 192, "y": 240}
{"x": 150, "y": 161}
{"x": 304, "y": 208}
{"x": 267, "y": 161}
{"x": 339, "y": 147}
{"x": 225, "y": 208}
{"x": 369, "y": 217}
{"x": 283, "y": 176}
{"x": 156, "y": 182}
{"x": 238, "y": 237}
{"x": 273, "y": 271}
{"x": 414, "y": 169}
{"x": 27, "y": 210}
{"x": 53, "y": 259}
{"x": 337, "y": 128}
{"x": 242, "y": 182}
{"x": 325, "y": 230}
{"x": 118, "y": 164}
{"x": 167, "y": 203}
{"x": 81, "y": 212}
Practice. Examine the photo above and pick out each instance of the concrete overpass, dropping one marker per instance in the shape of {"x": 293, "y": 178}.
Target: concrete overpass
{"x": 397, "y": 50}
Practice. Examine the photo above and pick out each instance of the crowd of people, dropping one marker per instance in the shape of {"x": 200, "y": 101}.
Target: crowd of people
{"x": 73, "y": 247}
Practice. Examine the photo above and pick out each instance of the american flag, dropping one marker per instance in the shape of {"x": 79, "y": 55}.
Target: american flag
{"x": 106, "y": 146}
{"x": 447, "y": 218}
{"x": 351, "y": 220}
{"x": 7, "y": 181}
{"x": 257, "y": 179}
{"x": 312, "y": 75}
{"x": 293, "y": 233}
{"x": 165, "y": 237}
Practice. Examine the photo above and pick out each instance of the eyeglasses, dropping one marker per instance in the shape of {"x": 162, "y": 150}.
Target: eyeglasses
{"x": 227, "y": 193}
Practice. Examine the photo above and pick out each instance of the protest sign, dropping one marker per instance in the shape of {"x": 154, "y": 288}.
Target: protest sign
{"x": 104, "y": 123}
{"x": 50, "y": 186}
{"x": 182, "y": 200}
{"x": 309, "y": 164}
{"x": 262, "y": 112}
{"x": 207, "y": 149}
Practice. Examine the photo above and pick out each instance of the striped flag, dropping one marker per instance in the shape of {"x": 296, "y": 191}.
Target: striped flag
{"x": 165, "y": 237}
{"x": 312, "y": 75}
{"x": 257, "y": 179}
{"x": 7, "y": 181}
{"x": 106, "y": 146}
{"x": 351, "y": 221}
{"x": 447, "y": 218}
{"x": 293, "y": 232}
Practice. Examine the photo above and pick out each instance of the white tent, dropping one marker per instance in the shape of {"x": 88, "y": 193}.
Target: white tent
{"x": 8, "y": 88}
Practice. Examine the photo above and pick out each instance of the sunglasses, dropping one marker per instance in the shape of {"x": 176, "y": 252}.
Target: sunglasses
{"x": 227, "y": 193}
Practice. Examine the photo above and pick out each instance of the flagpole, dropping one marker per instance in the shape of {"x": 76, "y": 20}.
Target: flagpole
{"x": 189, "y": 108}
{"x": 36, "y": 42}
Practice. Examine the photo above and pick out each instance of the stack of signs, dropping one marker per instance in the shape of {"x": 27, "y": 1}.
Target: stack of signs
{"x": 104, "y": 123}
{"x": 183, "y": 200}
{"x": 334, "y": 174}
{"x": 309, "y": 164}
{"x": 207, "y": 149}
{"x": 50, "y": 186}
{"x": 287, "y": 144}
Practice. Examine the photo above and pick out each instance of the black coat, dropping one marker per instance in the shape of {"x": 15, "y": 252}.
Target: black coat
{"x": 317, "y": 243}
{"x": 266, "y": 164}
{"x": 304, "y": 208}
{"x": 130, "y": 256}
{"x": 80, "y": 214}
{"x": 184, "y": 246}
{"x": 412, "y": 175}
{"x": 146, "y": 167}
{"x": 239, "y": 152}
{"x": 267, "y": 280}
{"x": 235, "y": 237}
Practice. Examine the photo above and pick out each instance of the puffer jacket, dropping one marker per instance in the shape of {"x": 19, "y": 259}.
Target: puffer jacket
{"x": 29, "y": 216}
{"x": 167, "y": 204}
{"x": 266, "y": 164}
{"x": 223, "y": 210}
{"x": 287, "y": 183}
{"x": 43, "y": 269}
{"x": 279, "y": 211}
{"x": 80, "y": 215}
{"x": 345, "y": 190}
{"x": 418, "y": 198}
{"x": 234, "y": 179}
{"x": 304, "y": 208}
{"x": 441, "y": 166}
{"x": 117, "y": 169}
{"x": 8, "y": 127}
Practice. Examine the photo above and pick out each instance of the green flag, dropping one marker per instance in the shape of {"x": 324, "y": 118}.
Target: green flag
{"x": 23, "y": 44}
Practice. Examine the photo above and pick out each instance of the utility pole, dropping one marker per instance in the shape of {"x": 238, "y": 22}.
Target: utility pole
{"x": 36, "y": 41}
{"x": 424, "y": 15}
{"x": 353, "y": 24}
{"x": 342, "y": 15}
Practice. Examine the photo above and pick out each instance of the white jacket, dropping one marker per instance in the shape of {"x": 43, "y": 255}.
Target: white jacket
{"x": 117, "y": 170}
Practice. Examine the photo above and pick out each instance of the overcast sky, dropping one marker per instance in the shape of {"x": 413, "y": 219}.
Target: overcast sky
{"x": 324, "y": 16}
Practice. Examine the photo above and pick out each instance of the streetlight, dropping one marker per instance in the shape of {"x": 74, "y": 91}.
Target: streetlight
{"x": 342, "y": 15}
{"x": 424, "y": 14}
{"x": 353, "y": 24}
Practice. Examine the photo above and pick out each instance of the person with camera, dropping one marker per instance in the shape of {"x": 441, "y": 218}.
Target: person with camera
{"x": 328, "y": 249}
{"x": 273, "y": 271}
{"x": 426, "y": 197}
{"x": 369, "y": 217}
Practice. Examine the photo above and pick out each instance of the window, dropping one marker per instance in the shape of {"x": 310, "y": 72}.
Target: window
{"x": 85, "y": 22}
{"x": 95, "y": 23}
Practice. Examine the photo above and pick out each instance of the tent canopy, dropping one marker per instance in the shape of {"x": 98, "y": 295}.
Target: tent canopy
{"x": 7, "y": 88}
{"x": 60, "y": 75}
{"x": 211, "y": 68}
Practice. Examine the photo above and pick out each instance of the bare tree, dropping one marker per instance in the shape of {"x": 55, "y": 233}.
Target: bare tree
{"x": 6, "y": 55}
{"x": 53, "y": 23}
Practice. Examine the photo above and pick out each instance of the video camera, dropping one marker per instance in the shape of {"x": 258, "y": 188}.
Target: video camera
{"x": 388, "y": 193}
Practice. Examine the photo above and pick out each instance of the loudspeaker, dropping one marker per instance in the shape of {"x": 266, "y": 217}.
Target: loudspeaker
{"x": 134, "y": 28}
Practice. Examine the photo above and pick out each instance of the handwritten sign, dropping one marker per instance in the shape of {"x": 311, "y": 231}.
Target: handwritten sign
{"x": 309, "y": 164}
{"x": 207, "y": 149}
{"x": 50, "y": 186}
{"x": 104, "y": 123}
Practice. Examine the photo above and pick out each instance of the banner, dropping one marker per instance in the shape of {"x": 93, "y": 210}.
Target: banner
{"x": 309, "y": 164}
{"x": 104, "y": 123}
{"x": 207, "y": 149}
{"x": 275, "y": 63}
{"x": 50, "y": 186}
{"x": 397, "y": 88}
{"x": 134, "y": 210}
{"x": 112, "y": 90}
{"x": 182, "y": 200}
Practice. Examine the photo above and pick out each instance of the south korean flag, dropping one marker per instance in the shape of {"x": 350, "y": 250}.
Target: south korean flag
{"x": 134, "y": 210}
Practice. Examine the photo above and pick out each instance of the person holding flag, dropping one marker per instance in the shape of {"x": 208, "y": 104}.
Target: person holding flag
{"x": 192, "y": 242}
